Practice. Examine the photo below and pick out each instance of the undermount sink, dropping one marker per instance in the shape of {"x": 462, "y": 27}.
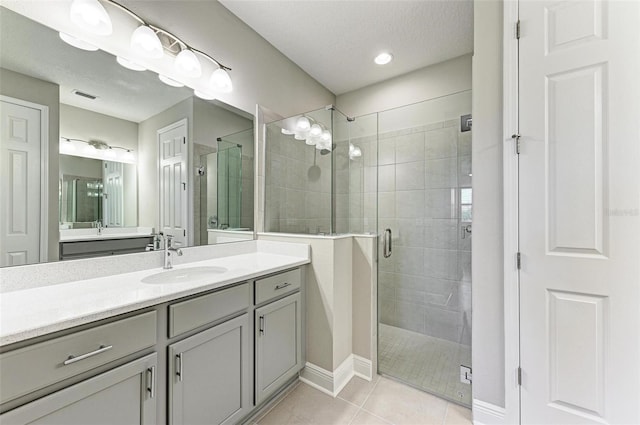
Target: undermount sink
{"x": 184, "y": 274}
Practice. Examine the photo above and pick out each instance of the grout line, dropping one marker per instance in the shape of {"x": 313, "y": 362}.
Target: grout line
{"x": 377, "y": 416}
{"x": 446, "y": 412}
{"x": 282, "y": 397}
{"x": 372, "y": 389}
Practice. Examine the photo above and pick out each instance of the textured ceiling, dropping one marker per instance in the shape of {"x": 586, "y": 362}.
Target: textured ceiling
{"x": 335, "y": 41}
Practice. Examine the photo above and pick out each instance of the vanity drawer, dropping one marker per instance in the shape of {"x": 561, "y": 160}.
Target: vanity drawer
{"x": 188, "y": 315}
{"x": 37, "y": 366}
{"x": 274, "y": 286}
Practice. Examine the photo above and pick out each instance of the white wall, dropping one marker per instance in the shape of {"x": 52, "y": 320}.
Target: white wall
{"x": 487, "y": 304}
{"x": 427, "y": 83}
{"x": 77, "y": 123}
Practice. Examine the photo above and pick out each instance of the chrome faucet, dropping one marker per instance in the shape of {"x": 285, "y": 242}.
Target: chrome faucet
{"x": 168, "y": 250}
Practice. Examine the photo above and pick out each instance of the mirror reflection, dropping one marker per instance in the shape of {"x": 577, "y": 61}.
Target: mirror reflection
{"x": 128, "y": 155}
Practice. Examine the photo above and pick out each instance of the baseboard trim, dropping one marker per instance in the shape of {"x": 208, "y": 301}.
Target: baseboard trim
{"x": 362, "y": 367}
{"x": 332, "y": 383}
{"x": 487, "y": 414}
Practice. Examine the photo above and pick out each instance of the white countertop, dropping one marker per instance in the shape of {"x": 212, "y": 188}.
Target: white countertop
{"x": 76, "y": 235}
{"x": 36, "y": 311}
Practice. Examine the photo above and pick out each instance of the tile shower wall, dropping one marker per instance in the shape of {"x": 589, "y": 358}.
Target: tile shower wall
{"x": 425, "y": 286}
{"x": 298, "y": 186}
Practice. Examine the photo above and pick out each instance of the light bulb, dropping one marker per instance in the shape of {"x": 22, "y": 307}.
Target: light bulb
{"x": 76, "y": 42}
{"x": 145, "y": 42}
{"x": 170, "y": 81}
{"x": 66, "y": 146}
{"x": 204, "y": 95}
{"x": 129, "y": 64}
{"x": 221, "y": 81}
{"x": 128, "y": 156}
{"x": 91, "y": 16}
{"x": 326, "y": 136}
{"x": 315, "y": 130}
{"x": 110, "y": 153}
{"x": 188, "y": 64}
{"x": 383, "y": 58}
{"x": 303, "y": 124}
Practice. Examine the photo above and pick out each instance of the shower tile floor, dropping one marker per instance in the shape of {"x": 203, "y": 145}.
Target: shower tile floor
{"x": 425, "y": 362}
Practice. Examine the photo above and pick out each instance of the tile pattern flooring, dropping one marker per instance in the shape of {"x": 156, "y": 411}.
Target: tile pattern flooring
{"x": 380, "y": 402}
{"x": 432, "y": 364}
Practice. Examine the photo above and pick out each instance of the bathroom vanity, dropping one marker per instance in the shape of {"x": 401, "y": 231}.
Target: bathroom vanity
{"x": 209, "y": 348}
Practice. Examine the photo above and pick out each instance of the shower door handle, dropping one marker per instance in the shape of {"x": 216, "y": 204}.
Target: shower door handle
{"x": 386, "y": 243}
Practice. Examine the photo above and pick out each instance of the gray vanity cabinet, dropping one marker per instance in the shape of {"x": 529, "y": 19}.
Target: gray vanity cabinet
{"x": 124, "y": 395}
{"x": 209, "y": 375}
{"x": 278, "y": 344}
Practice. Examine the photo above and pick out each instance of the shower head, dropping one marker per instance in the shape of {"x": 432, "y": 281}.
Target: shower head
{"x": 327, "y": 151}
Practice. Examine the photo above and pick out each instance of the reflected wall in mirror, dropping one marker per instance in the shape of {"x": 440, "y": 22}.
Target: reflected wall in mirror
{"x": 91, "y": 103}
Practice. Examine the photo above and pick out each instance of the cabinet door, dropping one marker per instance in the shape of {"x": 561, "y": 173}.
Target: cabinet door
{"x": 209, "y": 381}
{"x": 124, "y": 395}
{"x": 278, "y": 344}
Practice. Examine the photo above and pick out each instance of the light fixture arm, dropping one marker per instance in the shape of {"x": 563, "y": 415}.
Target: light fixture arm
{"x": 171, "y": 36}
{"x": 96, "y": 144}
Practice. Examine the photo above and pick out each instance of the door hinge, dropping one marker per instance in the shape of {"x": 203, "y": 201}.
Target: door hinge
{"x": 518, "y": 30}
{"x": 519, "y": 372}
{"x": 518, "y": 260}
{"x": 516, "y": 137}
{"x": 184, "y": 232}
{"x": 184, "y": 139}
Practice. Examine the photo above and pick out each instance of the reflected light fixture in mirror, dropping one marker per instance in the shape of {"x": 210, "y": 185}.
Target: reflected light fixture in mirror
{"x": 169, "y": 81}
{"x": 130, "y": 64}
{"x": 145, "y": 43}
{"x": 95, "y": 149}
{"x": 91, "y": 16}
{"x": 76, "y": 42}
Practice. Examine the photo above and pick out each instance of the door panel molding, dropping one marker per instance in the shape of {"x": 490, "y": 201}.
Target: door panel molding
{"x": 44, "y": 170}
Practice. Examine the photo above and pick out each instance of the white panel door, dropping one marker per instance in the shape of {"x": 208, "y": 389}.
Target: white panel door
{"x": 19, "y": 184}
{"x": 172, "y": 148}
{"x": 580, "y": 212}
{"x": 113, "y": 195}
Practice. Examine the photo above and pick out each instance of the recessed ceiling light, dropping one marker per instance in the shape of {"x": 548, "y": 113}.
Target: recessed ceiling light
{"x": 383, "y": 58}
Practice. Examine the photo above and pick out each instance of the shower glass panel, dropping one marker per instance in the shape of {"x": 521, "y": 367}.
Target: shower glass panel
{"x": 299, "y": 173}
{"x": 424, "y": 286}
{"x": 229, "y": 192}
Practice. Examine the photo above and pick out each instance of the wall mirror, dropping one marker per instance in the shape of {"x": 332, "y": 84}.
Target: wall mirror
{"x": 134, "y": 155}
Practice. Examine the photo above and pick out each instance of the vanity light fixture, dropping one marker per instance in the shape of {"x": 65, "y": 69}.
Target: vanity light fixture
{"x": 76, "y": 42}
{"x": 95, "y": 149}
{"x": 145, "y": 42}
{"x": 91, "y": 16}
{"x": 170, "y": 81}
{"x": 303, "y": 124}
{"x": 188, "y": 64}
{"x": 383, "y": 58}
{"x": 130, "y": 64}
{"x": 221, "y": 81}
{"x": 204, "y": 95}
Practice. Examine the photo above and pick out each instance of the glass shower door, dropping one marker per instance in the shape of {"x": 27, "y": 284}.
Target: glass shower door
{"x": 424, "y": 280}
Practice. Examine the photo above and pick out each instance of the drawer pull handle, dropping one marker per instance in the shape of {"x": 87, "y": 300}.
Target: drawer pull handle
{"x": 262, "y": 325}
{"x": 284, "y": 285}
{"x": 151, "y": 379}
{"x": 179, "y": 366}
{"x": 73, "y": 359}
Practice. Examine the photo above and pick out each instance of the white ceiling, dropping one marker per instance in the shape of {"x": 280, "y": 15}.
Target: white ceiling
{"x": 335, "y": 41}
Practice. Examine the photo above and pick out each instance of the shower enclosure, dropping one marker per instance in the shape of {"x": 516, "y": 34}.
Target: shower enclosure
{"x": 405, "y": 175}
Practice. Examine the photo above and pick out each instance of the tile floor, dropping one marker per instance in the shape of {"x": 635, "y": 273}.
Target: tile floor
{"x": 380, "y": 402}
{"x": 423, "y": 361}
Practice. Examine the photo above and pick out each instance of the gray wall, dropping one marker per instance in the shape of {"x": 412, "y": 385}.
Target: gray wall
{"x": 488, "y": 305}
{"x": 427, "y": 83}
{"x": 41, "y": 92}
